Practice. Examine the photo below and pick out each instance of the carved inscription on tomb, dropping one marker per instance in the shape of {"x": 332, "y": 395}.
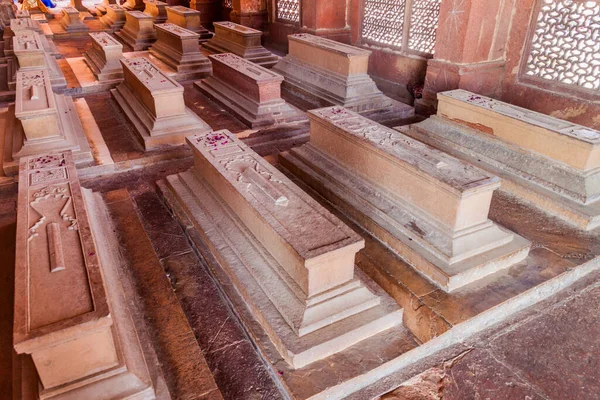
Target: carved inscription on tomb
{"x": 328, "y": 44}
{"x": 236, "y": 27}
{"x": 176, "y": 29}
{"x": 27, "y": 40}
{"x": 148, "y": 74}
{"x": 70, "y": 10}
{"x": 104, "y": 39}
{"x": 139, "y": 15}
{"x": 244, "y": 66}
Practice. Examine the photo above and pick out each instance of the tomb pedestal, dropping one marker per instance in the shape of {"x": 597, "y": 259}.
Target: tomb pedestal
{"x": 157, "y": 9}
{"x": 242, "y": 41}
{"x": 102, "y": 7}
{"x": 71, "y": 317}
{"x": 71, "y": 20}
{"x": 103, "y": 57}
{"x": 138, "y": 32}
{"x": 153, "y": 102}
{"x": 41, "y": 122}
{"x": 115, "y": 17}
{"x": 550, "y": 163}
{"x": 249, "y": 91}
{"x": 178, "y": 48}
{"x": 188, "y": 19}
{"x": 280, "y": 249}
{"x": 327, "y": 72}
{"x": 432, "y": 209}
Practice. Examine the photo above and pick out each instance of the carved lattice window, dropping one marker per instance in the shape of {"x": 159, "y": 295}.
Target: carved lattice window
{"x": 288, "y": 10}
{"x": 228, "y": 4}
{"x": 565, "y": 43}
{"x": 410, "y": 25}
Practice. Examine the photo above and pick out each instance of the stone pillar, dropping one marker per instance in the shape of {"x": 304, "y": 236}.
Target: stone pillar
{"x": 252, "y": 13}
{"x": 469, "y": 50}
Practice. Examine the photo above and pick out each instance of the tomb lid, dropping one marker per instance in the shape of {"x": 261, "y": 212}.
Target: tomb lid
{"x": 33, "y": 93}
{"x": 139, "y": 14}
{"x": 27, "y": 41}
{"x": 237, "y": 28}
{"x": 70, "y": 10}
{"x": 456, "y": 174}
{"x": 182, "y": 10}
{"x": 562, "y": 127}
{"x": 156, "y": 2}
{"x": 177, "y": 30}
{"x": 150, "y": 75}
{"x": 245, "y": 67}
{"x": 105, "y": 40}
{"x": 329, "y": 45}
{"x": 115, "y": 7}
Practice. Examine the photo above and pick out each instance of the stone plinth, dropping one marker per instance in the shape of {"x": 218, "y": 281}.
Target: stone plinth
{"x": 77, "y": 331}
{"x": 242, "y": 41}
{"x": 276, "y": 243}
{"x": 251, "y": 92}
{"x": 103, "y": 57}
{"x": 188, "y": 19}
{"x": 551, "y": 163}
{"x": 332, "y": 73}
{"x": 178, "y": 48}
{"x": 71, "y": 20}
{"x": 153, "y": 102}
{"x": 41, "y": 121}
{"x": 429, "y": 207}
{"x": 157, "y": 9}
{"x": 115, "y": 17}
{"x": 138, "y": 32}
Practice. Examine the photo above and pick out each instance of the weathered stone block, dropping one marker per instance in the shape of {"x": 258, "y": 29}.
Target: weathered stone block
{"x": 178, "y": 48}
{"x": 429, "y": 207}
{"x": 103, "y": 57}
{"x": 332, "y": 73}
{"x": 251, "y": 92}
{"x": 41, "y": 121}
{"x": 274, "y": 240}
{"x": 157, "y": 9}
{"x": 78, "y": 331}
{"x": 138, "y": 32}
{"x": 153, "y": 102}
{"x": 115, "y": 17}
{"x": 553, "y": 164}
{"x": 188, "y": 19}
{"x": 71, "y": 20}
{"x": 242, "y": 41}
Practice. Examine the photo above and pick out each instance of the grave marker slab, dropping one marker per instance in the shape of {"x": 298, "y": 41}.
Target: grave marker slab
{"x": 138, "y": 32}
{"x": 189, "y": 19}
{"x": 71, "y": 20}
{"x": 115, "y": 17}
{"x": 104, "y": 57}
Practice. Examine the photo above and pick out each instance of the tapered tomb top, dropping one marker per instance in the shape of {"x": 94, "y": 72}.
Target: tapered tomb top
{"x": 139, "y": 14}
{"x": 329, "y": 45}
{"x": 33, "y": 94}
{"x": 183, "y": 10}
{"x": 306, "y": 227}
{"x": 105, "y": 40}
{"x": 149, "y": 75}
{"x": 247, "y": 68}
{"x": 455, "y": 174}
{"x": 27, "y": 41}
{"x": 176, "y": 30}
{"x": 560, "y": 126}
{"x": 237, "y": 28}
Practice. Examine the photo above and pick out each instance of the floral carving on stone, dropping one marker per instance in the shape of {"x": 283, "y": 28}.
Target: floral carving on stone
{"x": 49, "y": 201}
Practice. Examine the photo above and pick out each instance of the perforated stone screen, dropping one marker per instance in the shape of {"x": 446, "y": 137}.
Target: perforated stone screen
{"x": 565, "y": 43}
{"x": 228, "y": 4}
{"x": 288, "y": 10}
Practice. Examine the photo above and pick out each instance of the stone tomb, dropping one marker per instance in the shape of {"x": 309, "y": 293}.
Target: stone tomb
{"x": 550, "y": 163}
{"x": 40, "y": 122}
{"x": 332, "y": 73}
{"x": 291, "y": 260}
{"x": 134, "y": 5}
{"x": 71, "y": 20}
{"x": 242, "y": 41}
{"x": 104, "y": 57}
{"x": 178, "y": 48}
{"x": 153, "y": 102}
{"x": 28, "y": 24}
{"x": 431, "y": 208}
{"x": 157, "y": 9}
{"x": 138, "y": 32}
{"x": 102, "y": 7}
{"x": 188, "y": 19}
{"x": 71, "y": 316}
{"x": 249, "y": 91}
{"x": 115, "y": 17}
{"x": 29, "y": 52}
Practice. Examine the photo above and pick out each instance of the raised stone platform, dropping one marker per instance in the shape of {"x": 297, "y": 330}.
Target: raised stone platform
{"x": 290, "y": 258}
{"x": 432, "y": 209}
{"x": 153, "y": 102}
{"x": 40, "y": 122}
{"x": 71, "y": 21}
{"x": 188, "y": 19}
{"x": 115, "y": 17}
{"x": 157, "y": 9}
{"x": 178, "y": 48}
{"x": 242, "y": 41}
{"x": 138, "y": 32}
{"x": 550, "y": 163}
{"x": 70, "y": 313}
{"x": 103, "y": 57}
{"x": 249, "y": 91}
{"x": 325, "y": 73}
